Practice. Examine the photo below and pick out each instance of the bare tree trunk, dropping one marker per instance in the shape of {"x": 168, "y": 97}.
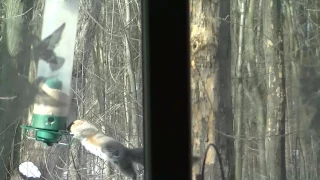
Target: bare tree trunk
{"x": 276, "y": 104}
{"x": 223, "y": 97}
{"x": 15, "y": 59}
{"x": 254, "y": 87}
{"x": 239, "y": 121}
{"x": 259, "y": 92}
{"x": 203, "y": 78}
{"x": 131, "y": 75}
{"x": 211, "y": 83}
{"x": 129, "y": 84}
{"x": 290, "y": 52}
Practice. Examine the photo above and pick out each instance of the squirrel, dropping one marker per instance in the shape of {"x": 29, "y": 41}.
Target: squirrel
{"x": 107, "y": 148}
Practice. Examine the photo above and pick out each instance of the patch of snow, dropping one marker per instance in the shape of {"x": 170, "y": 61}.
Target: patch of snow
{"x": 29, "y": 169}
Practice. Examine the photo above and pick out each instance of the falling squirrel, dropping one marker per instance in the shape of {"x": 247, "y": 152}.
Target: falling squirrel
{"x": 109, "y": 149}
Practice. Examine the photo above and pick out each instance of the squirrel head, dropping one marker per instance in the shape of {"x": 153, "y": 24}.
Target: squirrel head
{"x": 82, "y": 129}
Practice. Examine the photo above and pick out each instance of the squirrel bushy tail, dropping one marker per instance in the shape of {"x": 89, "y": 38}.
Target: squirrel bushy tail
{"x": 136, "y": 155}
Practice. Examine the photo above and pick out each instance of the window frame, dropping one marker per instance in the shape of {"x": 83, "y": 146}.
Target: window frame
{"x": 166, "y": 89}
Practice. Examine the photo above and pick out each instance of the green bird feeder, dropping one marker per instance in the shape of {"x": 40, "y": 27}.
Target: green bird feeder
{"x": 49, "y": 119}
{"x": 55, "y": 55}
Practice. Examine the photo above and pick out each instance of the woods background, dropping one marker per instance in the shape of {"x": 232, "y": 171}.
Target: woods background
{"x": 255, "y": 93}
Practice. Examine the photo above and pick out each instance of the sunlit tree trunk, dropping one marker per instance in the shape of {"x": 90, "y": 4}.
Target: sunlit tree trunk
{"x": 203, "y": 77}
{"x": 211, "y": 83}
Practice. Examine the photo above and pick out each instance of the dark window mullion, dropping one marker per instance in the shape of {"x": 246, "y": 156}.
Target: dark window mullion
{"x": 166, "y": 89}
